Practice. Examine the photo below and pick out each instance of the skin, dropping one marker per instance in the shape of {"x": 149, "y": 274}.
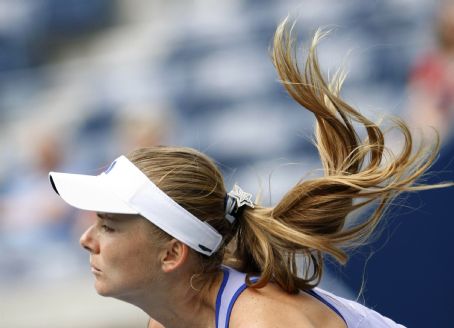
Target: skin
{"x": 117, "y": 263}
{"x": 129, "y": 265}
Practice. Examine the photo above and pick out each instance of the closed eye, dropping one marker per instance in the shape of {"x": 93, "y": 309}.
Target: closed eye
{"x": 102, "y": 221}
{"x": 106, "y": 228}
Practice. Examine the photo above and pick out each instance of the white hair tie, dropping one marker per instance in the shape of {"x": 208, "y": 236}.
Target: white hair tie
{"x": 235, "y": 200}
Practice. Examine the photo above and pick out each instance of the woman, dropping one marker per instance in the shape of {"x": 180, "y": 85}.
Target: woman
{"x": 170, "y": 240}
{"x": 431, "y": 82}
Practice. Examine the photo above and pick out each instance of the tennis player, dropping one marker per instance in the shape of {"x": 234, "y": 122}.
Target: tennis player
{"x": 171, "y": 240}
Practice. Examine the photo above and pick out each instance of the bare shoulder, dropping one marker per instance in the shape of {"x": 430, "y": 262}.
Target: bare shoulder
{"x": 268, "y": 307}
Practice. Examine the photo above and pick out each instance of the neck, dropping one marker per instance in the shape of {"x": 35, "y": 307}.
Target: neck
{"x": 174, "y": 303}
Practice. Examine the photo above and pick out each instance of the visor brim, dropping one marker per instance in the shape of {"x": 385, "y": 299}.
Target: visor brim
{"x": 87, "y": 192}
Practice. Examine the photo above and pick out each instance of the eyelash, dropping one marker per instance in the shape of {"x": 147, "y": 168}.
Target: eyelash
{"x": 107, "y": 228}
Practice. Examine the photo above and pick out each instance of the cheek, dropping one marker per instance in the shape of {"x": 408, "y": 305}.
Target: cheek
{"x": 130, "y": 264}
{"x": 139, "y": 265}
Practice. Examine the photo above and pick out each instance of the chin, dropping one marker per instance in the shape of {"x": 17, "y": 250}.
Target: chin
{"x": 103, "y": 290}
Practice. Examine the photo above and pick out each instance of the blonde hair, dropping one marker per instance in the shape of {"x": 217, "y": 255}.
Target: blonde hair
{"x": 310, "y": 220}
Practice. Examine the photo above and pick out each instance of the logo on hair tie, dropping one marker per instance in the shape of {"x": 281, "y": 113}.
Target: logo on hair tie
{"x": 236, "y": 199}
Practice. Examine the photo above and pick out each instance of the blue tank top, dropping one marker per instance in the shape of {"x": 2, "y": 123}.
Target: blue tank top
{"x": 354, "y": 314}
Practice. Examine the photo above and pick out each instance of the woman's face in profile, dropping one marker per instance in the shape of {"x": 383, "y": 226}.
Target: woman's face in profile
{"x": 123, "y": 258}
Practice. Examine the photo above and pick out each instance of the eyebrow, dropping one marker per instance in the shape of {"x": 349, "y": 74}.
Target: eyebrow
{"x": 106, "y": 216}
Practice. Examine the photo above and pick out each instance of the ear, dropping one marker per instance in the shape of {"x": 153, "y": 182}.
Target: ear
{"x": 174, "y": 255}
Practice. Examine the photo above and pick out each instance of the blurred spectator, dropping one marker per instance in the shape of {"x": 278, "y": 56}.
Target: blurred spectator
{"x": 431, "y": 82}
{"x": 31, "y": 218}
{"x": 142, "y": 125}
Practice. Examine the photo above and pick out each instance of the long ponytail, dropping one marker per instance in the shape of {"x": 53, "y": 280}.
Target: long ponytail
{"x": 310, "y": 220}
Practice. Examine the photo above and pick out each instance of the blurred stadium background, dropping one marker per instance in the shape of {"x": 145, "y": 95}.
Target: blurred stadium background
{"x": 82, "y": 82}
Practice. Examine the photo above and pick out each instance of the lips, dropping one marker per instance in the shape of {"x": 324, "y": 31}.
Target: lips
{"x": 94, "y": 268}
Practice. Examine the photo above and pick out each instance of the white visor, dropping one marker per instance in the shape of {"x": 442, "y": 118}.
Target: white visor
{"x": 124, "y": 189}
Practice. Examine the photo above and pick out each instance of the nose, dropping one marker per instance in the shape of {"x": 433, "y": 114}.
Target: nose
{"x": 88, "y": 240}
